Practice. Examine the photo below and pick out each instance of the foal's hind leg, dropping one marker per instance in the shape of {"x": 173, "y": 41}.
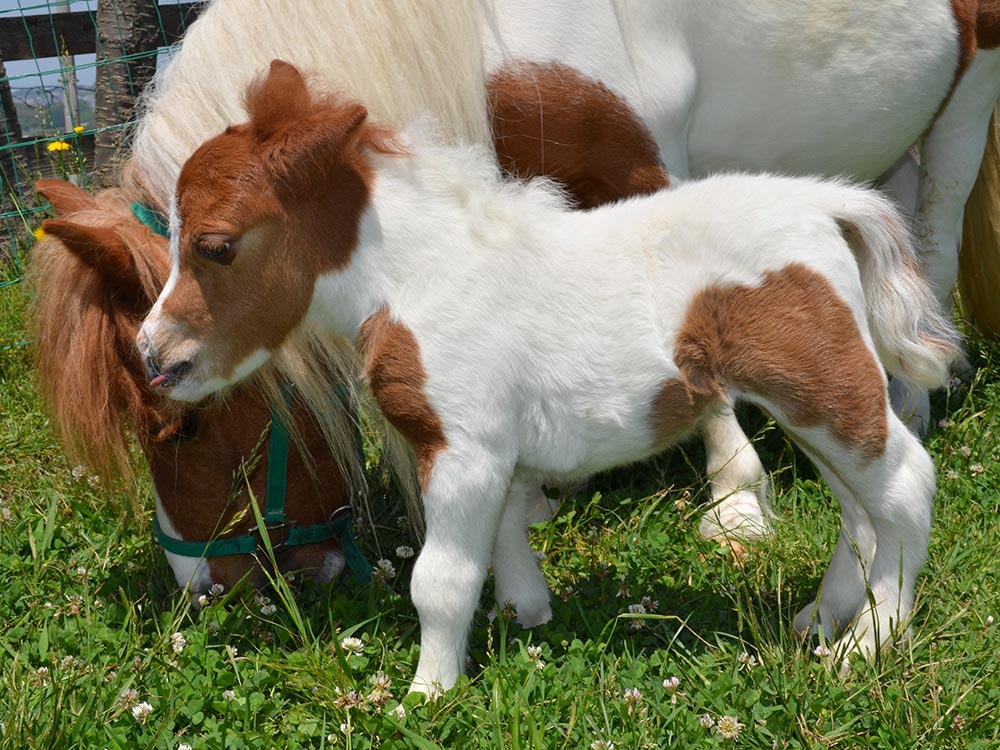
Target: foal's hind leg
{"x": 873, "y": 595}
{"x": 738, "y": 483}
{"x": 842, "y": 592}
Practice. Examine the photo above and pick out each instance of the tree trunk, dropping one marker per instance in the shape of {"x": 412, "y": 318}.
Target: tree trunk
{"x": 124, "y": 27}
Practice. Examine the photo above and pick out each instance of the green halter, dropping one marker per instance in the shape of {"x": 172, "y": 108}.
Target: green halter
{"x": 281, "y": 532}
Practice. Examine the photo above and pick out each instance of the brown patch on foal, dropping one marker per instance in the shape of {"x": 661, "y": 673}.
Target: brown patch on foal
{"x": 675, "y": 411}
{"x": 793, "y": 341}
{"x": 551, "y": 120}
{"x": 396, "y": 377}
{"x": 978, "y": 26}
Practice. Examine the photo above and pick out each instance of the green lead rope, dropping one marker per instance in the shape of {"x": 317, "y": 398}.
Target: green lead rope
{"x": 337, "y": 527}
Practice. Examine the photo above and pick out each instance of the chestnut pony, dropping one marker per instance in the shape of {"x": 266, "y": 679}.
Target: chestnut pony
{"x": 508, "y": 338}
{"x": 95, "y": 275}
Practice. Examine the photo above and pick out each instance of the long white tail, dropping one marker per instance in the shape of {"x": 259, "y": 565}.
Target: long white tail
{"x": 915, "y": 340}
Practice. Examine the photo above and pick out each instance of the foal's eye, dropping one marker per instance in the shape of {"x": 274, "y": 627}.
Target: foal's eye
{"x": 217, "y": 248}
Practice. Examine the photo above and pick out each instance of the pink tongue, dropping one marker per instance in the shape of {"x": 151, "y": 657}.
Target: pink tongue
{"x": 157, "y": 381}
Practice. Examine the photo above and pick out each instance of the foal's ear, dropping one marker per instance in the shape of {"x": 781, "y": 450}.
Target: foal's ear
{"x": 101, "y": 248}
{"x": 276, "y": 100}
{"x": 64, "y": 196}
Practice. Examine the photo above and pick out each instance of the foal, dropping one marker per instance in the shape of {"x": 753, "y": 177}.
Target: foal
{"x": 95, "y": 275}
{"x": 508, "y": 338}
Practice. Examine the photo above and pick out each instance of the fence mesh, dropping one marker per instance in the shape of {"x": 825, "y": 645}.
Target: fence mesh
{"x": 70, "y": 73}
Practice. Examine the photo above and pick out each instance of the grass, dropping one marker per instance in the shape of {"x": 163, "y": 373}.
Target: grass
{"x": 89, "y": 618}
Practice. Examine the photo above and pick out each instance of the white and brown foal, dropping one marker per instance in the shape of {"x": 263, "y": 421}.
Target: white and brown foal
{"x": 508, "y": 338}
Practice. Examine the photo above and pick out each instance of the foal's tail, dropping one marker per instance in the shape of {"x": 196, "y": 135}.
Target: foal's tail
{"x": 914, "y": 338}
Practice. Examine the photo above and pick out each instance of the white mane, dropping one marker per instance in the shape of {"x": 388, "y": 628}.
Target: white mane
{"x": 401, "y": 58}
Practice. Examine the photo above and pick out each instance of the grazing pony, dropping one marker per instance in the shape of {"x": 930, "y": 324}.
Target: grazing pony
{"x": 508, "y": 338}
{"x": 595, "y": 92}
{"x": 95, "y": 276}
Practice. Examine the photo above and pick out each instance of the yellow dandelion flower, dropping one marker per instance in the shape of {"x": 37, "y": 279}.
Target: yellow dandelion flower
{"x": 58, "y": 146}
{"x": 39, "y": 234}
{"x": 78, "y": 129}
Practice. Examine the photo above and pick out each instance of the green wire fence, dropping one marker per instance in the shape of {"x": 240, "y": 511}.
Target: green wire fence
{"x": 70, "y": 74}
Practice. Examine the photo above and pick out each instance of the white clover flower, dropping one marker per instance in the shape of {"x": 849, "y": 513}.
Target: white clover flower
{"x": 822, "y": 651}
{"x": 632, "y": 695}
{"x": 128, "y": 698}
{"x": 384, "y": 571}
{"x": 399, "y": 712}
{"x": 404, "y": 552}
{"x": 671, "y": 684}
{"x": 352, "y": 645}
{"x": 42, "y": 675}
{"x": 729, "y": 727}
{"x": 203, "y": 601}
{"x": 965, "y": 450}
{"x": 534, "y": 652}
{"x": 78, "y": 472}
{"x": 233, "y": 651}
{"x": 976, "y": 469}
{"x": 650, "y": 603}
{"x": 141, "y": 711}
{"x": 602, "y": 745}
{"x": 951, "y": 474}
{"x": 184, "y": 746}
{"x": 989, "y": 619}
{"x": 706, "y": 721}
{"x": 93, "y": 480}
{"x": 228, "y": 695}
{"x": 178, "y": 642}
{"x": 636, "y": 609}
{"x": 380, "y": 680}
{"x": 216, "y": 589}
{"x": 268, "y": 609}
{"x": 81, "y": 573}
{"x": 747, "y": 660}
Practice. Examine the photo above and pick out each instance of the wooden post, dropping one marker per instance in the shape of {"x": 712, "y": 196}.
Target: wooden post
{"x": 124, "y": 27}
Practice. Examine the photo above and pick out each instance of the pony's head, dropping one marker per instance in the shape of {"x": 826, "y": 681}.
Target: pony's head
{"x": 95, "y": 275}
{"x": 261, "y": 211}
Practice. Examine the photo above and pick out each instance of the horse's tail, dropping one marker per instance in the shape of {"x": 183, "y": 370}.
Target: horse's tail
{"x": 914, "y": 339}
{"x": 979, "y": 262}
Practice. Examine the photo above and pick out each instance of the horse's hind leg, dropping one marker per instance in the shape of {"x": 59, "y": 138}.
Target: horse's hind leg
{"x": 738, "y": 483}
{"x": 518, "y": 579}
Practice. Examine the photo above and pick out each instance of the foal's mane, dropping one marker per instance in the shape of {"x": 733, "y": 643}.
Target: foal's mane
{"x": 87, "y": 369}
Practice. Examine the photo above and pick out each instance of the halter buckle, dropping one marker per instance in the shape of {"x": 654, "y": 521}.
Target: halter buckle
{"x": 277, "y": 532}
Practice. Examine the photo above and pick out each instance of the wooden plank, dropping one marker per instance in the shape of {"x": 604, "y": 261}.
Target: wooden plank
{"x": 28, "y": 37}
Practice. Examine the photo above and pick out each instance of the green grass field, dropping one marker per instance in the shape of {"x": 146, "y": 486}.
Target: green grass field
{"x": 98, "y": 649}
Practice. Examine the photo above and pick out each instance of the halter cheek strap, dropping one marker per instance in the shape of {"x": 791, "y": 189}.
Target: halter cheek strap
{"x": 153, "y": 219}
{"x": 280, "y": 532}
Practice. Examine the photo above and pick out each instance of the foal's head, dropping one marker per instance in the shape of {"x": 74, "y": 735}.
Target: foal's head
{"x": 261, "y": 211}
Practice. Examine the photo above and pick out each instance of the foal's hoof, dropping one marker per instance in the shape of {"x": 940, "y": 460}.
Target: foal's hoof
{"x": 738, "y": 517}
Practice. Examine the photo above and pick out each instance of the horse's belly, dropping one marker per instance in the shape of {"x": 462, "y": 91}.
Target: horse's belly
{"x": 828, "y": 86}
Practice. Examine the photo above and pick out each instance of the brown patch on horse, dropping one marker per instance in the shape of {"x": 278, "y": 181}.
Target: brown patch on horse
{"x": 549, "y": 119}
{"x": 988, "y": 24}
{"x": 675, "y": 411}
{"x": 794, "y": 342}
{"x": 396, "y": 376}
{"x": 965, "y": 14}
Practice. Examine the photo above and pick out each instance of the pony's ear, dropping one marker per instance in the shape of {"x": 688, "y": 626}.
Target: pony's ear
{"x": 277, "y": 99}
{"x": 64, "y": 196}
{"x": 101, "y": 248}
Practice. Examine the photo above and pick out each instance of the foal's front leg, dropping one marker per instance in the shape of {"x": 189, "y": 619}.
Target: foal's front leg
{"x": 463, "y": 501}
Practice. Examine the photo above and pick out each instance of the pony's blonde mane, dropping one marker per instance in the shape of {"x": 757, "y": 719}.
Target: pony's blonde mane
{"x": 89, "y": 377}
{"x": 401, "y": 58}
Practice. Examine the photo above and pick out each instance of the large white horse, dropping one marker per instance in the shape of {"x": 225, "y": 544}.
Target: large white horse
{"x": 840, "y": 87}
